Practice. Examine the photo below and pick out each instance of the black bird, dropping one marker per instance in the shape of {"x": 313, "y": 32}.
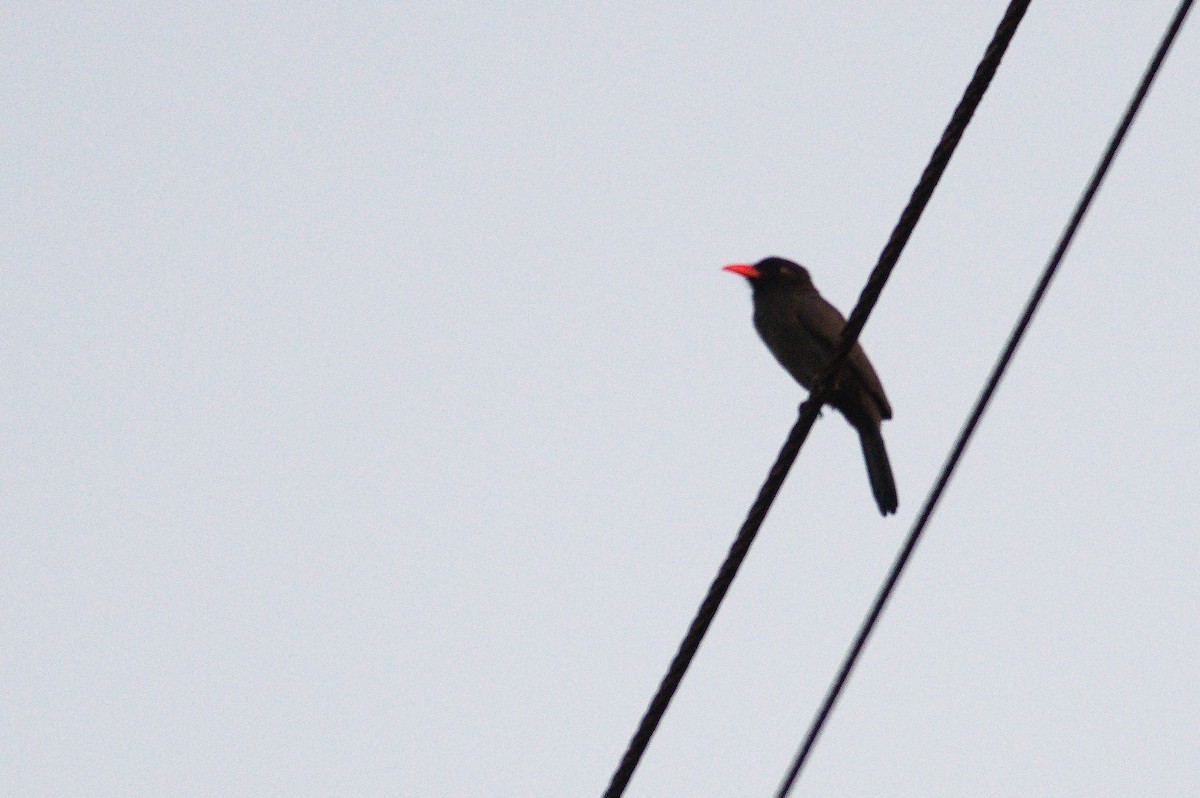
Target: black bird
{"x": 801, "y": 329}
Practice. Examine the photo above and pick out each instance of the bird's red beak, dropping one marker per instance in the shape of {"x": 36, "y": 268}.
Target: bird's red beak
{"x": 744, "y": 269}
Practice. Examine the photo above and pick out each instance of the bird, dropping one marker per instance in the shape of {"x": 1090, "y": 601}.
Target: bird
{"x": 801, "y": 328}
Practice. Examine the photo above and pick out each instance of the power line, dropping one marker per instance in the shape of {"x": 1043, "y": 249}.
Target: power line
{"x": 821, "y": 389}
{"x": 984, "y": 399}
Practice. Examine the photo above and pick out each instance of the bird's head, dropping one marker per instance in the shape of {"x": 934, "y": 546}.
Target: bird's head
{"x": 773, "y": 273}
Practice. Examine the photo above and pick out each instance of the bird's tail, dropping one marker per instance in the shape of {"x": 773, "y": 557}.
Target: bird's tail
{"x": 883, "y": 485}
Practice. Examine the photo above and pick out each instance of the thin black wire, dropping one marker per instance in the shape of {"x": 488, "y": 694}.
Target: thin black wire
{"x": 985, "y": 397}
{"x": 821, "y": 387}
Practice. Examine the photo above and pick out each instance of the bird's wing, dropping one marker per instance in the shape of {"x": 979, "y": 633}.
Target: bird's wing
{"x": 825, "y": 323}
{"x": 821, "y": 319}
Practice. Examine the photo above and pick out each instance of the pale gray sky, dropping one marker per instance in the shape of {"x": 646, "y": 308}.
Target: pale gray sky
{"x": 376, "y": 413}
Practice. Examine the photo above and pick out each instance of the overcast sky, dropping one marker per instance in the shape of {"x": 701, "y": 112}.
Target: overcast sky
{"x": 376, "y": 413}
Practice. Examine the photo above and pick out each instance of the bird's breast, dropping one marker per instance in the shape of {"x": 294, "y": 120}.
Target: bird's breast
{"x": 800, "y": 354}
